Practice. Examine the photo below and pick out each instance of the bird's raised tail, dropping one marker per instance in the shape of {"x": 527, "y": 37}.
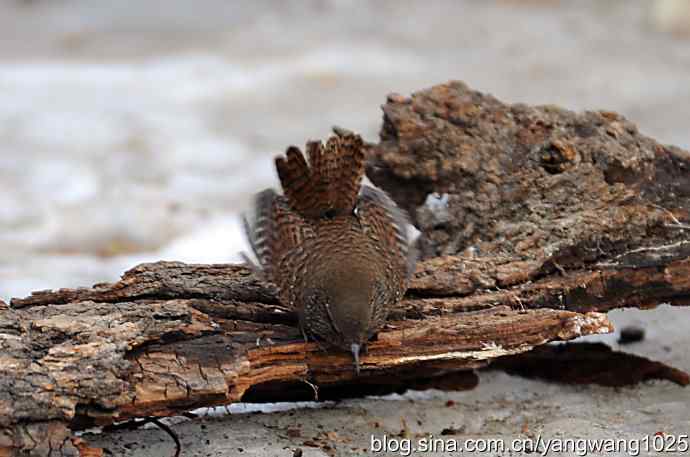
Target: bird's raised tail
{"x": 329, "y": 184}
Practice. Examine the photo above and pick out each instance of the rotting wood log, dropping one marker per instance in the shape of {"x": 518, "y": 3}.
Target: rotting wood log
{"x": 94, "y": 356}
{"x": 528, "y": 182}
{"x": 542, "y": 220}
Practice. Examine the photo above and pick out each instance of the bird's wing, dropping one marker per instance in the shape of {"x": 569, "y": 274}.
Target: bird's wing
{"x": 387, "y": 225}
{"x": 275, "y": 233}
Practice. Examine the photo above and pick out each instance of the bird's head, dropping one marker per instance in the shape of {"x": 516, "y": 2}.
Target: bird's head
{"x": 345, "y": 306}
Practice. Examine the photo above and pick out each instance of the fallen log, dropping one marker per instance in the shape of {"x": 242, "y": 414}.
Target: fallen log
{"x": 535, "y": 183}
{"x": 535, "y": 221}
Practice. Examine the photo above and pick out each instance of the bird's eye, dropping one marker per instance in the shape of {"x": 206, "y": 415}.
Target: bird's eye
{"x": 329, "y": 214}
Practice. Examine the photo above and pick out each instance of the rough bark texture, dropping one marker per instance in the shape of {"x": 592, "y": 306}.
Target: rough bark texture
{"x": 533, "y": 183}
{"x": 542, "y": 220}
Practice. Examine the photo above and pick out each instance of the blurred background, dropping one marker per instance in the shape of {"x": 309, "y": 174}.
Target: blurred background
{"x": 137, "y": 131}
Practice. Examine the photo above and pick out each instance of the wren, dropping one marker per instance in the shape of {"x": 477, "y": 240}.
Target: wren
{"x": 337, "y": 250}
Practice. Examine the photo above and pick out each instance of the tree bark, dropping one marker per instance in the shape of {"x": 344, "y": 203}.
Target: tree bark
{"x": 542, "y": 221}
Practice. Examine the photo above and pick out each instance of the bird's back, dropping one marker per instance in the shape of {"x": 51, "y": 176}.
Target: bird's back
{"x": 328, "y": 239}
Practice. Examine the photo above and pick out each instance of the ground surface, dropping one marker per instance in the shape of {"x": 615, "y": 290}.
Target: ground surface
{"x": 137, "y": 132}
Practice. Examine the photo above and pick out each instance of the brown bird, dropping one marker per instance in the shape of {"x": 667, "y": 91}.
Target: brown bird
{"x": 338, "y": 251}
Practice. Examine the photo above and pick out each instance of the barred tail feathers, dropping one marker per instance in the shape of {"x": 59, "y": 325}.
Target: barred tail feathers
{"x": 329, "y": 185}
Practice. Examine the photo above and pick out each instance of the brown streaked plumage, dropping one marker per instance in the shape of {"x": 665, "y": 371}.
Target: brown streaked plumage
{"x": 338, "y": 251}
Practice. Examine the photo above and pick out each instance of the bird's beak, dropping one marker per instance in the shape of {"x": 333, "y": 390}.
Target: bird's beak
{"x": 355, "y": 353}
